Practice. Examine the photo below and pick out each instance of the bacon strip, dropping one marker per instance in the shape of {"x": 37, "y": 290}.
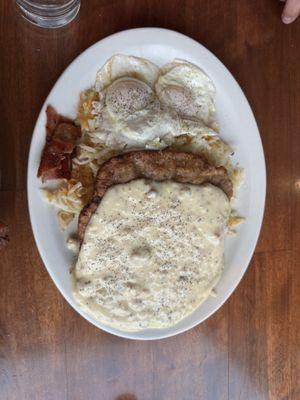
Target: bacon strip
{"x": 61, "y": 137}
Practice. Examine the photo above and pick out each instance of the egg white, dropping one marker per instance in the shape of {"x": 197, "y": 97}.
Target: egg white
{"x": 141, "y": 106}
{"x": 121, "y": 65}
{"x": 188, "y": 90}
{"x": 131, "y": 115}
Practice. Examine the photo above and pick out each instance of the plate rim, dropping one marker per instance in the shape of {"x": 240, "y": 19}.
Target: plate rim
{"x": 263, "y": 178}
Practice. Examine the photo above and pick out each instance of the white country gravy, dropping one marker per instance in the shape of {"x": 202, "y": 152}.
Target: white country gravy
{"x": 152, "y": 252}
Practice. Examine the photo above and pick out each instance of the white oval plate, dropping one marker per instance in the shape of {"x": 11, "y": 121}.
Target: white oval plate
{"x": 237, "y": 127}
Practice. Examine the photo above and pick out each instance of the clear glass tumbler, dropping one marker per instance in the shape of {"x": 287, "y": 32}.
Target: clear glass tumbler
{"x": 49, "y": 13}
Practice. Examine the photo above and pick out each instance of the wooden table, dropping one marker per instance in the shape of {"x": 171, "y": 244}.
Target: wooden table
{"x": 250, "y": 348}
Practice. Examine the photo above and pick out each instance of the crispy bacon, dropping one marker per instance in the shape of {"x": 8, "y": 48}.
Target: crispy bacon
{"x": 61, "y": 137}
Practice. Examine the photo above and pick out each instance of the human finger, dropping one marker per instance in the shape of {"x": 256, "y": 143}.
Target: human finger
{"x": 291, "y": 11}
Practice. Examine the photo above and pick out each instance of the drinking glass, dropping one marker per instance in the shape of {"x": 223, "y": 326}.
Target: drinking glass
{"x": 49, "y": 13}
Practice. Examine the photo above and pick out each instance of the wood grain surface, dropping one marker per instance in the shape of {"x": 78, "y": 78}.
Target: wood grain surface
{"x": 249, "y": 349}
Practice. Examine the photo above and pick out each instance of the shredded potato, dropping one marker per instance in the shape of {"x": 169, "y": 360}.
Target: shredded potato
{"x": 85, "y": 107}
{"x": 235, "y": 220}
{"x": 64, "y": 219}
{"x": 68, "y": 197}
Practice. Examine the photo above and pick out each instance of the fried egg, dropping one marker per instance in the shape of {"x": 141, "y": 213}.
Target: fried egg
{"x": 142, "y": 106}
{"x": 128, "y": 112}
{"x": 121, "y": 65}
{"x": 185, "y": 88}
